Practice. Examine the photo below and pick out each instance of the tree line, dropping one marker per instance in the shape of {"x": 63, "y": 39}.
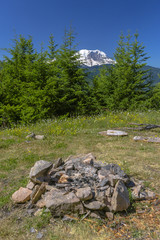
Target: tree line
{"x": 40, "y": 85}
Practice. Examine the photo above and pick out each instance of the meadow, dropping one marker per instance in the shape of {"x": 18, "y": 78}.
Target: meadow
{"x": 73, "y": 136}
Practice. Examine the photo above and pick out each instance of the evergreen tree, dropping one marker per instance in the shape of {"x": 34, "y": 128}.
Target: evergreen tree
{"x": 72, "y": 86}
{"x": 15, "y": 76}
{"x": 126, "y": 85}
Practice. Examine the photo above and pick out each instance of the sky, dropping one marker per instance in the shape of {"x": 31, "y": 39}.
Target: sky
{"x": 97, "y": 23}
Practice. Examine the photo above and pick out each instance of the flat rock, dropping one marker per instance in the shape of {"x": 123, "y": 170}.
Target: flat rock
{"x": 39, "y": 169}
{"x": 84, "y": 193}
{"x": 94, "y": 205}
{"x": 39, "y": 137}
{"x": 60, "y": 203}
{"x": 147, "y": 139}
{"x": 113, "y": 133}
{"x": 30, "y": 185}
{"x": 22, "y": 195}
{"x": 120, "y": 199}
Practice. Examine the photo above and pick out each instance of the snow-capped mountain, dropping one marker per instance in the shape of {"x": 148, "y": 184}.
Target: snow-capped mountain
{"x": 94, "y": 58}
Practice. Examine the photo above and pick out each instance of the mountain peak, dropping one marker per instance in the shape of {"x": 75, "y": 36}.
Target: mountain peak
{"x": 94, "y": 58}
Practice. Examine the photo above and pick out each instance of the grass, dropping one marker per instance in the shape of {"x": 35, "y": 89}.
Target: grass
{"x": 73, "y": 136}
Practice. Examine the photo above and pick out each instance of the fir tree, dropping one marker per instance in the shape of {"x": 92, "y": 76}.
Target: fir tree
{"x": 126, "y": 85}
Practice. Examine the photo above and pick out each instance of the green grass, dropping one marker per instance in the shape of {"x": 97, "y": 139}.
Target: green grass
{"x": 73, "y": 136}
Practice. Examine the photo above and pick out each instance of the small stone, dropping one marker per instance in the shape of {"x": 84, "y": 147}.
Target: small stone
{"x": 89, "y": 159}
{"x": 104, "y": 182}
{"x": 39, "y": 235}
{"x": 22, "y": 195}
{"x": 113, "y": 179}
{"x": 58, "y": 163}
{"x": 150, "y": 194}
{"x": 95, "y": 205}
{"x": 68, "y": 218}
{"x": 30, "y": 185}
{"x": 63, "y": 179}
{"x": 110, "y": 216}
{"x": 84, "y": 193}
{"x": 136, "y": 192}
{"x": 95, "y": 215}
{"x": 38, "y": 212}
{"x": 32, "y": 230}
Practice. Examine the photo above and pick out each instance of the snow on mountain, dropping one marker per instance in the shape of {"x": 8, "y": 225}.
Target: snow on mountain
{"x": 94, "y": 58}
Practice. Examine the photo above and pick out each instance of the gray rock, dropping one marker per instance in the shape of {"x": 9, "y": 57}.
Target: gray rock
{"x": 60, "y": 203}
{"x": 94, "y": 205}
{"x": 84, "y": 193}
{"x": 39, "y": 169}
{"x": 104, "y": 182}
{"x": 58, "y": 163}
{"x": 32, "y": 230}
{"x": 110, "y": 216}
{"x": 120, "y": 199}
{"x": 115, "y": 169}
{"x": 39, "y": 235}
{"x": 95, "y": 215}
{"x": 113, "y": 179}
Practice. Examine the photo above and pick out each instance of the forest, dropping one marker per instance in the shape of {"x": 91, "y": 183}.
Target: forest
{"x": 49, "y": 83}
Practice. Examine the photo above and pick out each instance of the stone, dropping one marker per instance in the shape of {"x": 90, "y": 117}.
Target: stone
{"x": 94, "y": 205}
{"x": 109, "y": 215}
{"x": 109, "y": 192}
{"x": 150, "y": 195}
{"x": 60, "y": 203}
{"x": 147, "y": 139}
{"x": 32, "y": 230}
{"x": 58, "y": 163}
{"x": 41, "y": 203}
{"x": 136, "y": 192}
{"x": 39, "y": 169}
{"x": 116, "y": 133}
{"x": 84, "y": 194}
{"x": 114, "y": 169}
{"x": 39, "y": 192}
{"x": 39, "y": 235}
{"x": 22, "y": 195}
{"x": 69, "y": 218}
{"x": 63, "y": 179}
{"x": 103, "y": 173}
{"x": 30, "y": 185}
{"x": 95, "y": 215}
{"x": 120, "y": 199}
{"x": 113, "y": 179}
{"x": 89, "y": 159}
{"x": 39, "y": 212}
{"x": 39, "y": 137}
{"x": 104, "y": 182}
{"x": 100, "y": 196}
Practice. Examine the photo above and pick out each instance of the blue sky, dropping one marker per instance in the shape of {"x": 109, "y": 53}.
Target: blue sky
{"x": 98, "y": 24}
